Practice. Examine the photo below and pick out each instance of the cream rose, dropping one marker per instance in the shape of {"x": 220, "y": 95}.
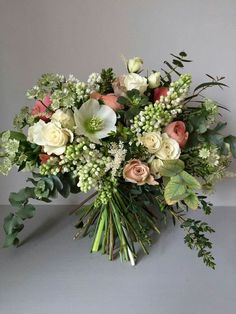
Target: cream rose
{"x": 135, "y": 81}
{"x": 51, "y": 136}
{"x": 65, "y": 117}
{"x": 152, "y": 141}
{"x": 137, "y": 172}
{"x": 155, "y": 167}
{"x": 169, "y": 149}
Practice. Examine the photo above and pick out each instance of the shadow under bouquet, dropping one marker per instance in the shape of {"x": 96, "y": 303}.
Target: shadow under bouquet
{"x": 145, "y": 148}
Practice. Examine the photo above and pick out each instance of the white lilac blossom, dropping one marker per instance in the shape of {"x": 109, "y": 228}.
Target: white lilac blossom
{"x": 94, "y": 121}
{"x": 156, "y": 116}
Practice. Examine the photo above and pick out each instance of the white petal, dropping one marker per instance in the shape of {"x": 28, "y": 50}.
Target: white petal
{"x": 54, "y": 150}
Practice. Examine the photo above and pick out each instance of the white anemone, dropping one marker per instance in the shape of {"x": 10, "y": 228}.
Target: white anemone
{"x": 94, "y": 121}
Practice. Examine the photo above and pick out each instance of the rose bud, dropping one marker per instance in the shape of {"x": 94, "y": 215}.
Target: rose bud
{"x": 135, "y": 65}
{"x": 154, "y": 80}
{"x": 158, "y": 92}
{"x": 177, "y": 131}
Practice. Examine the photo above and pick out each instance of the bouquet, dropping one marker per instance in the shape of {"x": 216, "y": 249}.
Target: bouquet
{"x": 146, "y": 148}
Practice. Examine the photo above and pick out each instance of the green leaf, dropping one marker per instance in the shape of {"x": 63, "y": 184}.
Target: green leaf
{"x": 171, "y": 168}
{"x": 231, "y": 140}
{"x": 17, "y": 136}
{"x": 58, "y": 183}
{"x": 191, "y": 201}
{"x": 209, "y": 84}
{"x": 12, "y": 224}
{"x": 17, "y": 199}
{"x": 216, "y": 139}
{"x": 11, "y": 239}
{"x": 49, "y": 182}
{"x": 190, "y": 181}
{"x": 174, "y": 192}
{"x": 26, "y": 211}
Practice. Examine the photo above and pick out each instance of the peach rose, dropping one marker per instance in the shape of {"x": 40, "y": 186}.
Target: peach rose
{"x": 137, "y": 172}
{"x": 109, "y": 100}
{"x": 158, "y": 92}
{"x": 40, "y": 108}
{"x": 177, "y": 131}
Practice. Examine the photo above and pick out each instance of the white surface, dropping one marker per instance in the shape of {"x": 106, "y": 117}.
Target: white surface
{"x": 51, "y": 273}
{"x": 81, "y": 37}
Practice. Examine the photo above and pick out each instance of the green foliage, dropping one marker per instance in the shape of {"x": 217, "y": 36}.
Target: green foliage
{"x": 196, "y": 239}
{"x": 44, "y": 188}
{"x": 181, "y": 187}
{"x": 231, "y": 140}
{"x": 174, "y": 66}
{"x": 206, "y": 206}
{"x": 107, "y": 77}
{"x": 171, "y": 168}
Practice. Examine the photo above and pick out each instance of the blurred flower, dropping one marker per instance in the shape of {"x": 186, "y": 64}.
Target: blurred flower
{"x": 40, "y": 108}
{"x": 65, "y": 117}
{"x": 158, "y": 92}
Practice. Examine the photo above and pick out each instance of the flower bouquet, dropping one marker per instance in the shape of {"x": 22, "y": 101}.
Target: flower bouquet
{"x": 147, "y": 147}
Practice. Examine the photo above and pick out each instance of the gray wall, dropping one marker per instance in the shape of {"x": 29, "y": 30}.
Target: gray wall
{"x": 81, "y": 37}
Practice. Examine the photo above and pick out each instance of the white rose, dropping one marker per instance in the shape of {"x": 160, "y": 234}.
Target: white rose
{"x": 35, "y": 133}
{"x": 152, "y": 141}
{"x": 51, "y": 136}
{"x": 55, "y": 138}
{"x": 154, "y": 80}
{"x": 155, "y": 167}
{"x": 169, "y": 149}
{"x": 135, "y": 81}
{"x": 65, "y": 117}
{"x": 134, "y": 65}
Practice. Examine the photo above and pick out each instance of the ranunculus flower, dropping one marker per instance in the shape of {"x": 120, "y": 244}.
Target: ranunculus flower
{"x": 51, "y": 136}
{"x": 134, "y": 65}
{"x": 137, "y": 172}
{"x": 135, "y": 81}
{"x": 40, "y": 108}
{"x": 109, "y": 100}
{"x": 65, "y": 117}
{"x": 119, "y": 86}
{"x": 177, "y": 131}
{"x": 155, "y": 167}
{"x": 154, "y": 79}
{"x": 152, "y": 141}
{"x": 158, "y": 92}
{"x": 169, "y": 148}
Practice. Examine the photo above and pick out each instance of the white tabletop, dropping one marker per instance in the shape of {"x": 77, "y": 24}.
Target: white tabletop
{"x": 51, "y": 273}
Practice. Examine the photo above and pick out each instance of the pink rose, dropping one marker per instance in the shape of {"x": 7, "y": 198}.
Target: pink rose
{"x": 137, "y": 172}
{"x": 109, "y": 100}
{"x": 177, "y": 131}
{"x": 158, "y": 92}
{"x": 40, "y": 108}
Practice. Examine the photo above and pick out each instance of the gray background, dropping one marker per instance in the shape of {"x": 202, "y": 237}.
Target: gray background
{"x": 51, "y": 274}
{"x": 81, "y": 37}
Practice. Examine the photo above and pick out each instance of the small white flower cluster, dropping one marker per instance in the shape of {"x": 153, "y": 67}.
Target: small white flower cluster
{"x": 93, "y": 81}
{"x": 91, "y": 169}
{"x": 156, "y": 116}
{"x": 8, "y": 149}
{"x": 118, "y": 152}
{"x": 211, "y": 155}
